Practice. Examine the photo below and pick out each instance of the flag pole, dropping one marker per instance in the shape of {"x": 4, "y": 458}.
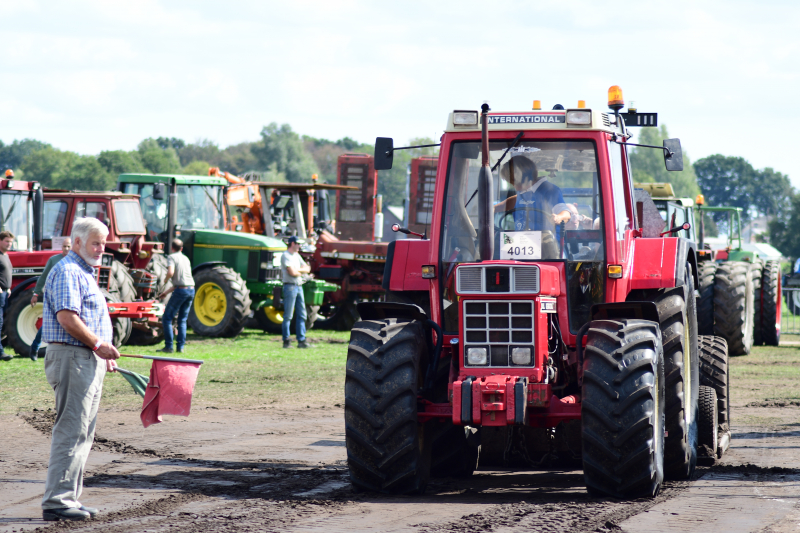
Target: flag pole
{"x": 157, "y": 358}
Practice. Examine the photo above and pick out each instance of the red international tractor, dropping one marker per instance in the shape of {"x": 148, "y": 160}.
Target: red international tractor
{"x": 539, "y": 318}
{"x": 121, "y": 276}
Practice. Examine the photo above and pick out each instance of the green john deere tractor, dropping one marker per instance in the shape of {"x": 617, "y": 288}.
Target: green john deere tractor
{"x": 234, "y": 273}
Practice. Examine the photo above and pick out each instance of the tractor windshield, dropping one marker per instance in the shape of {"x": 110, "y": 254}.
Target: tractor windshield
{"x": 200, "y": 207}
{"x": 547, "y": 207}
{"x": 14, "y": 217}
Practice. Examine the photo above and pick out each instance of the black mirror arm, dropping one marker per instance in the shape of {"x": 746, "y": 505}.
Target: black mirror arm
{"x": 668, "y": 152}
{"x": 685, "y": 226}
{"x": 410, "y": 147}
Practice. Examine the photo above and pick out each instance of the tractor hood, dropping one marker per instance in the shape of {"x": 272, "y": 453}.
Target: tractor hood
{"x": 208, "y": 238}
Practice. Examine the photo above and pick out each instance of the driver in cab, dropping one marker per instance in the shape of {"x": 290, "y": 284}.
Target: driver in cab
{"x": 538, "y": 204}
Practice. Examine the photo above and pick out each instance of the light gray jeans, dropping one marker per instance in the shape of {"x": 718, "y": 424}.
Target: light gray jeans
{"x": 76, "y": 376}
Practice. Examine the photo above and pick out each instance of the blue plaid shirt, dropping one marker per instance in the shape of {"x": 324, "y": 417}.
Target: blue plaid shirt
{"x": 71, "y": 285}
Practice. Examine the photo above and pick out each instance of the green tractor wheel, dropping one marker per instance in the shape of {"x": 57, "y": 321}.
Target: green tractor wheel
{"x": 221, "y": 303}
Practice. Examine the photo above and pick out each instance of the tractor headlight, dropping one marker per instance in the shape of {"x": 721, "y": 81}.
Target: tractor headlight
{"x": 465, "y": 118}
{"x": 477, "y": 356}
{"x": 521, "y": 356}
{"x": 579, "y": 117}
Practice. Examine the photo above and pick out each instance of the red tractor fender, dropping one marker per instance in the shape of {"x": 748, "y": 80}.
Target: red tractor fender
{"x": 404, "y": 262}
{"x": 660, "y": 263}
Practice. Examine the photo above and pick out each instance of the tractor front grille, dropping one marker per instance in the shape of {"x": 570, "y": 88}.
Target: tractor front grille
{"x": 499, "y": 326}
{"x": 493, "y": 279}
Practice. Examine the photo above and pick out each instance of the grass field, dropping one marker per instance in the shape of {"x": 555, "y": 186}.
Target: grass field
{"x": 252, "y": 370}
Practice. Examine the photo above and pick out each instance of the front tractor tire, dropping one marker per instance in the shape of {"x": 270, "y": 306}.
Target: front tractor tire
{"x": 678, "y": 322}
{"x": 622, "y": 409}
{"x": 388, "y": 450}
{"x": 714, "y": 374}
{"x": 221, "y": 303}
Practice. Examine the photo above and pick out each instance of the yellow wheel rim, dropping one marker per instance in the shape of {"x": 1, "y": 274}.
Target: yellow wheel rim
{"x": 210, "y": 304}
{"x": 273, "y": 315}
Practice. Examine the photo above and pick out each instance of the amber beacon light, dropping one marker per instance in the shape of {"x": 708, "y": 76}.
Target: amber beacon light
{"x": 615, "y": 100}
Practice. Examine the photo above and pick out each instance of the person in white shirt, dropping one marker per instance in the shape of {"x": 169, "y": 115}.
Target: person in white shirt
{"x": 292, "y": 269}
{"x": 179, "y": 270}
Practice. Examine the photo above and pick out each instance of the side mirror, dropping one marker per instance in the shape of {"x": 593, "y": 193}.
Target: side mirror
{"x": 159, "y": 191}
{"x": 674, "y": 158}
{"x": 384, "y": 153}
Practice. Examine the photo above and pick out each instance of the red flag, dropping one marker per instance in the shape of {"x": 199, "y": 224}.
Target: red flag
{"x": 169, "y": 391}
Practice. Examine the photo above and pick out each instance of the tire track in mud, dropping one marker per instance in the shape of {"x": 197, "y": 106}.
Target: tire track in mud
{"x": 208, "y": 495}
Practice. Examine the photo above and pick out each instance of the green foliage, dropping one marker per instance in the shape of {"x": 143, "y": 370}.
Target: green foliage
{"x": 12, "y": 155}
{"x": 117, "y": 162}
{"x": 326, "y": 154}
{"x": 647, "y": 164}
{"x": 732, "y": 181}
{"x": 392, "y": 183}
{"x": 202, "y": 150}
{"x": 783, "y": 233}
{"x": 196, "y": 168}
{"x": 159, "y": 160}
{"x": 67, "y": 170}
{"x": 170, "y": 142}
{"x": 284, "y": 148}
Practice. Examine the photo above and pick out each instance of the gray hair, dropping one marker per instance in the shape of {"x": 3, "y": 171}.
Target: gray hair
{"x": 83, "y": 228}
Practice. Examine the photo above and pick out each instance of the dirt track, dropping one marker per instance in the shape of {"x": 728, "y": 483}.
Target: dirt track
{"x": 285, "y": 470}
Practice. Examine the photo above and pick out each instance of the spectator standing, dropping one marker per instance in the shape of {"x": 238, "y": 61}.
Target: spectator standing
{"x": 77, "y": 330}
{"x": 292, "y": 269}
{"x": 179, "y": 270}
{"x": 66, "y": 246}
{"x": 6, "y": 242}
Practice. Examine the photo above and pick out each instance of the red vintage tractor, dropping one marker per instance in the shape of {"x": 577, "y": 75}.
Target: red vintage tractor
{"x": 121, "y": 276}
{"x": 536, "y": 319}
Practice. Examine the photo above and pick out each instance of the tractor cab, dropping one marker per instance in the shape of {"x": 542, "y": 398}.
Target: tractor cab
{"x": 674, "y": 211}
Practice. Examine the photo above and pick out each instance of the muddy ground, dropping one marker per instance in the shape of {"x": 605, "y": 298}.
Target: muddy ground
{"x": 284, "y": 469}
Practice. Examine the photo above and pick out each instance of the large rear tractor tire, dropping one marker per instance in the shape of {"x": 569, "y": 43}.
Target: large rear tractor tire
{"x": 622, "y": 409}
{"x": 714, "y": 374}
{"x": 705, "y": 304}
{"x": 758, "y": 268}
{"x": 734, "y": 306}
{"x": 388, "y": 450}
{"x": 678, "y": 322}
{"x": 121, "y": 326}
{"x": 221, "y": 303}
{"x": 20, "y": 321}
{"x": 707, "y": 427}
{"x": 771, "y": 312}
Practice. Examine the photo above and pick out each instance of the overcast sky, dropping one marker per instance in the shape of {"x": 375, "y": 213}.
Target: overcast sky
{"x": 103, "y": 75}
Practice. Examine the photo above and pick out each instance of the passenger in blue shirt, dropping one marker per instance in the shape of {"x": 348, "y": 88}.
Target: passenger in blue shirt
{"x": 538, "y": 204}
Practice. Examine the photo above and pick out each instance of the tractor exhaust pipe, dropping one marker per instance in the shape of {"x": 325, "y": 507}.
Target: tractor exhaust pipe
{"x": 172, "y": 215}
{"x": 485, "y": 198}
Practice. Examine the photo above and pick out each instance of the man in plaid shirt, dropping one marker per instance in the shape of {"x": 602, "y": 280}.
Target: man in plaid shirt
{"x": 77, "y": 328}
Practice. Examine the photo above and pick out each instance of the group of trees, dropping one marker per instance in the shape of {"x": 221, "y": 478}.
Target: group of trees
{"x": 281, "y": 154}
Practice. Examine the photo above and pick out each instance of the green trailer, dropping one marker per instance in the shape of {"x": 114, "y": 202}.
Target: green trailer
{"x": 234, "y": 273}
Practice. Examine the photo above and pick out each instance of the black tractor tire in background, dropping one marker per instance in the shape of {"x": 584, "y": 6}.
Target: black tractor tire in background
{"x": 236, "y": 305}
{"x": 678, "y": 321}
{"x": 705, "y": 304}
{"x": 388, "y": 450}
{"x": 734, "y": 306}
{"x": 121, "y": 327}
{"x": 121, "y": 285}
{"x": 707, "y": 427}
{"x": 339, "y": 317}
{"x": 714, "y": 374}
{"x": 758, "y": 268}
{"x": 20, "y": 321}
{"x": 622, "y": 409}
{"x": 771, "y": 303}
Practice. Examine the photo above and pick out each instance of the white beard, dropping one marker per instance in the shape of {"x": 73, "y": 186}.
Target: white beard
{"x": 88, "y": 258}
